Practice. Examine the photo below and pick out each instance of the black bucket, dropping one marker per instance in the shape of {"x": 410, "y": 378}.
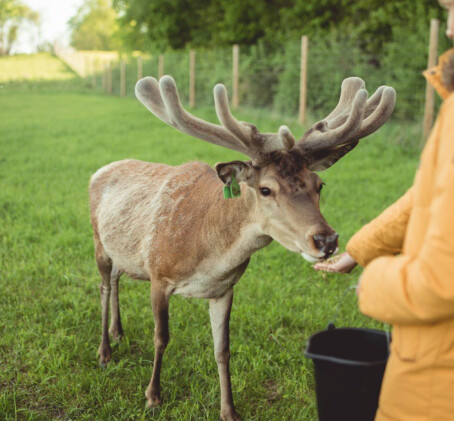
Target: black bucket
{"x": 349, "y": 364}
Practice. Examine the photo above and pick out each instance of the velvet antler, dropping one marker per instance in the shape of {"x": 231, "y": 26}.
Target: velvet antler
{"x": 354, "y": 118}
{"x": 163, "y": 101}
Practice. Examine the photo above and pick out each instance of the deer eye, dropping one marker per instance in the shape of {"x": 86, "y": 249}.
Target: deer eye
{"x": 320, "y": 188}
{"x": 265, "y": 191}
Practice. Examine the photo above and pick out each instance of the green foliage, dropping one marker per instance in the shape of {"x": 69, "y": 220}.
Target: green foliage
{"x": 260, "y": 68}
{"x": 270, "y": 72}
{"x": 52, "y": 142}
{"x": 13, "y": 14}
{"x": 94, "y": 27}
{"x": 382, "y": 42}
{"x": 245, "y": 22}
{"x": 204, "y": 23}
{"x": 162, "y": 19}
{"x": 334, "y": 57}
{"x": 211, "y": 23}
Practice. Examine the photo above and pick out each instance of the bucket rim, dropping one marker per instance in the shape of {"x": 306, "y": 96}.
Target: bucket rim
{"x": 344, "y": 361}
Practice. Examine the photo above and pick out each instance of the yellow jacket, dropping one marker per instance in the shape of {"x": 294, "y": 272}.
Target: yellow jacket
{"x": 408, "y": 281}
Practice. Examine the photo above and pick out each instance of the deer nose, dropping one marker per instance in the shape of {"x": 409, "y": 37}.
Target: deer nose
{"x": 326, "y": 244}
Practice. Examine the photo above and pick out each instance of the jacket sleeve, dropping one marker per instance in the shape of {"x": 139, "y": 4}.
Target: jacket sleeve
{"x": 384, "y": 235}
{"x": 404, "y": 290}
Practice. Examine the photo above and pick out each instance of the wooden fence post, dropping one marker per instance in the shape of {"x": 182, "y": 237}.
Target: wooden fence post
{"x": 303, "y": 79}
{"x": 97, "y": 66}
{"x": 430, "y": 93}
{"x": 76, "y": 62}
{"x": 236, "y": 61}
{"x": 103, "y": 77}
{"x": 93, "y": 72}
{"x": 161, "y": 66}
{"x": 122, "y": 78}
{"x": 192, "y": 78}
{"x": 106, "y": 71}
{"x": 85, "y": 66}
{"x": 81, "y": 61}
{"x": 139, "y": 68}
{"x": 109, "y": 78}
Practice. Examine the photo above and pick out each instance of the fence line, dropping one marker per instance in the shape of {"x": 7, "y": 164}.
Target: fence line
{"x": 235, "y": 76}
{"x": 101, "y": 66}
{"x": 292, "y": 80}
{"x": 139, "y": 67}
{"x": 161, "y": 66}
{"x": 109, "y": 78}
{"x": 122, "y": 78}
{"x": 85, "y": 63}
{"x": 192, "y": 78}
{"x": 104, "y": 79}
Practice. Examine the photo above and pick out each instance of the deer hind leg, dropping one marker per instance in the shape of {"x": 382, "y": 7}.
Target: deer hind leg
{"x": 116, "y": 329}
{"x": 219, "y": 318}
{"x": 105, "y": 268}
{"x": 160, "y": 306}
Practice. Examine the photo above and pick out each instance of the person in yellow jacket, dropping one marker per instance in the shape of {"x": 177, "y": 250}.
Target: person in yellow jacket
{"x": 408, "y": 280}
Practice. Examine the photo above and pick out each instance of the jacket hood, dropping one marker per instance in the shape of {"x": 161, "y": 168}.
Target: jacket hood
{"x": 441, "y": 77}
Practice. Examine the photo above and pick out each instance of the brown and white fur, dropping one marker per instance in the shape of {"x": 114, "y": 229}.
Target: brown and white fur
{"x": 173, "y": 227}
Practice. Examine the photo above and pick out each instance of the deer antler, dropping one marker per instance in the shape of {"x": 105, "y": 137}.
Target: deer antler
{"x": 354, "y": 117}
{"x": 163, "y": 101}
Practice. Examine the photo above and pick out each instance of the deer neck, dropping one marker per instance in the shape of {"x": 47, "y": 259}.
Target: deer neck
{"x": 232, "y": 225}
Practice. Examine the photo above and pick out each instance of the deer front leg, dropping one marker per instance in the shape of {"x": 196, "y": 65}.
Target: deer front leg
{"x": 219, "y": 318}
{"x": 160, "y": 307}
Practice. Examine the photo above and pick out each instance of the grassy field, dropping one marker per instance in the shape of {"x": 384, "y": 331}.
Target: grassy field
{"x": 33, "y": 69}
{"x": 51, "y": 141}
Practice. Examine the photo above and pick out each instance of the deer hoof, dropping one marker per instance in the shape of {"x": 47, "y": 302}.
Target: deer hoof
{"x": 105, "y": 355}
{"x": 230, "y": 416}
{"x": 104, "y": 361}
{"x": 153, "y": 399}
{"x": 153, "y": 402}
{"x": 117, "y": 334}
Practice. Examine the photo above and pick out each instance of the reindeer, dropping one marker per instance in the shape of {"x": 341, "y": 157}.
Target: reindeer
{"x": 173, "y": 226}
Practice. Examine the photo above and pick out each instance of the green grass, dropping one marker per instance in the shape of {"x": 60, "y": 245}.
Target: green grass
{"x": 37, "y": 67}
{"x": 50, "y": 317}
{"x": 38, "y": 72}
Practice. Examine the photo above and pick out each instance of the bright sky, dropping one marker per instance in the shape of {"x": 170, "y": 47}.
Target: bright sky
{"x": 54, "y": 17}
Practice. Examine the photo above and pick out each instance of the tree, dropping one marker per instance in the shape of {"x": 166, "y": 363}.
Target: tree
{"x": 95, "y": 27}
{"x": 13, "y": 15}
{"x": 211, "y": 23}
{"x": 166, "y": 23}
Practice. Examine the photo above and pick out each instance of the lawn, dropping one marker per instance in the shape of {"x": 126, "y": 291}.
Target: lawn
{"x": 51, "y": 141}
{"x": 36, "y": 68}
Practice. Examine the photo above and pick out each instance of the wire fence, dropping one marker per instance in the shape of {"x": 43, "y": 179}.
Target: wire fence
{"x": 265, "y": 76}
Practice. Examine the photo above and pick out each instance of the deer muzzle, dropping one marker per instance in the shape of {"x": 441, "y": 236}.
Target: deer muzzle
{"x": 327, "y": 244}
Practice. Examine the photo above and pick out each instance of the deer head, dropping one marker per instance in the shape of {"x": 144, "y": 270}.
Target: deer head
{"x": 281, "y": 173}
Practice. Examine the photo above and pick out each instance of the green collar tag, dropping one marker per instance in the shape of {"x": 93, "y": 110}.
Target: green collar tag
{"x": 232, "y": 190}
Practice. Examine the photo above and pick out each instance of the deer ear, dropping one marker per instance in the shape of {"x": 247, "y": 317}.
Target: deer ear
{"x": 243, "y": 171}
{"x": 322, "y": 160}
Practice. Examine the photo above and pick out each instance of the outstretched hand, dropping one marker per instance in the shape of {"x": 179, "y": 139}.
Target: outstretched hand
{"x": 343, "y": 264}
